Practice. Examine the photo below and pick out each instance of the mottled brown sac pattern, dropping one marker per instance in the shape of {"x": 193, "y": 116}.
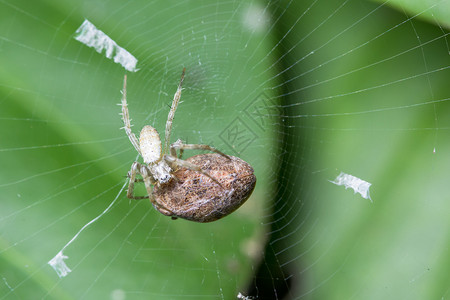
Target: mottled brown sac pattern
{"x": 195, "y": 197}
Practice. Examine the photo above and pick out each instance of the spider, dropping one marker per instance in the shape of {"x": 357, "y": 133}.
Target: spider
{"x": 203, "y": 188}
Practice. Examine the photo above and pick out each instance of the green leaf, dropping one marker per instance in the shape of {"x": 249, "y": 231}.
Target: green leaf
{"x": 433, "y": 11}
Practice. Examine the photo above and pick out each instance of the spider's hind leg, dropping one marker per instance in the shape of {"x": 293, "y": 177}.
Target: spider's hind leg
{"x": 126, "y": 118}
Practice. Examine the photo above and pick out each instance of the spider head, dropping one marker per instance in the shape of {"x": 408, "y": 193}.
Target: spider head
{"x": 150, "y": 145}
{"x": 161, "y": 172}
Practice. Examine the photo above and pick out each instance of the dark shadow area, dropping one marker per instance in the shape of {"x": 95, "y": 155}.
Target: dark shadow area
{"x": 277, "y": 277}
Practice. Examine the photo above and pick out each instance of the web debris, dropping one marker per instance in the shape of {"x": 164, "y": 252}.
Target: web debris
{"x": 89, "y": 35}
{"x": 57, "y": 262}
{"x": 357, "y": 185}
{"x": 59, "y": 265}
{"x": 241, "y": 296}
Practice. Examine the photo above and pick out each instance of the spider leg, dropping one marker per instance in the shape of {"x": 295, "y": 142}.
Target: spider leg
{"x": 126, "y": 118}
{"x": 135, "y": 179}
{"x": 176, "y": 100}
{"x": 135, "y": 169}
{"x": 173, "y": 160}
{"x": 181, "y": 146}
{"x": 161, "y": 208}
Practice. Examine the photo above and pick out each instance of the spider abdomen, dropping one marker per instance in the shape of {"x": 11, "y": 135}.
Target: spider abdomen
{"x": 150, "y": 144}
{"x": 193, "y": 196}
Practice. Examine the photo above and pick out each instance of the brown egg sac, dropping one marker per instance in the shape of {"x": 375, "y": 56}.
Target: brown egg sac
{"x": 195, "y": 197}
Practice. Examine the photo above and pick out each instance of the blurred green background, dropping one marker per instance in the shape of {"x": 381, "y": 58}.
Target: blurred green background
{"x": 300, "y": 90}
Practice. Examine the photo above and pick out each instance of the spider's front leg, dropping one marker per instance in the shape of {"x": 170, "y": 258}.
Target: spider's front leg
{"x": 149, "y": 182}
{"x": 181, "y": 146}
{"x": 135, "y": 169}
{"x": 174, "y": 161}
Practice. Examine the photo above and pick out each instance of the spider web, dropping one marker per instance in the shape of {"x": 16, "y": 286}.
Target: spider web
{"x": 327, "y": 100}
